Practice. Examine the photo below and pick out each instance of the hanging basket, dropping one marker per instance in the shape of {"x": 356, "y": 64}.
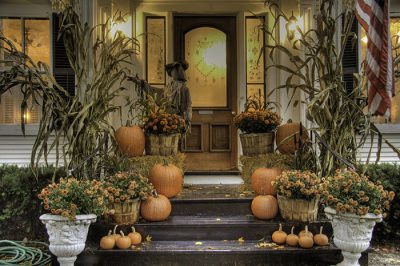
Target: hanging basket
{"x": 124, "y": 213}
{"x": 162, "y": 144}
{"x": 298, "y": 209}
{"x": 257, "y": 143}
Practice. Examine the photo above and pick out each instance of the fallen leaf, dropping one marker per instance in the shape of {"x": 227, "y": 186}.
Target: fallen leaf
{"x": 227, "y": 195}
{"x": 241, "y": 239}
{"x": 225, "y": 240}
{"x": 242, "y": 195}
{"x": 148, "y": 238}
{"x": 198, "y": 243}
{"x": 218, "y": 219}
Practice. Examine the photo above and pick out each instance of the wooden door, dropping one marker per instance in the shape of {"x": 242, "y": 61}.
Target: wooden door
{"x": 208, "y": 44}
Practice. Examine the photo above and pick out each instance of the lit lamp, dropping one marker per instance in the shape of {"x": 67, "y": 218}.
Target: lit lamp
{"x": 290, "y": 26}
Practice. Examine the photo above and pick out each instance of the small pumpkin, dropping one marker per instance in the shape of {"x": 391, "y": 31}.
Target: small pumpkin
{"x": 292, "y": 239}
{"x": 264, "y": 207}
{"x": 166, "y": 178}
{"x": 306, "y": 232}
{"x": 130, "y": 140}
{"x": 115, "y": 235}
{"x": 123, "y": 242}
{"x": 156, "y": 208}
{"x": 108, "y": 241}
{"x": 279, "y": 237}
{"x": 261, "y": 180}
{"x": 135, "y": 237}
{"x": 321, "y": 239}
{"x": 288, "y": 137}
{"x": 306, "y": 240}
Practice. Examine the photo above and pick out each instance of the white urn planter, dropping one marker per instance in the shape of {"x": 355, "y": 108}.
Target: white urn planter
{"x": 351, "y": 233}
{"x": 67, "y": 237}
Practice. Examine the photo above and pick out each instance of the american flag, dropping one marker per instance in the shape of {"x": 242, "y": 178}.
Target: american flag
{"x": 373, "y": 15}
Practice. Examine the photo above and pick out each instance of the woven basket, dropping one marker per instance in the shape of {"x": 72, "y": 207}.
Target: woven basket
{"x": 257, "y": 143}
{"x": 125, "y": 213}
{"x": 298, "y": 209}
{"x": 162, "y": 144}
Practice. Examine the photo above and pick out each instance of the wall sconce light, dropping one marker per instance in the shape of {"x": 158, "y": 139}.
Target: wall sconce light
{"x": 122, "y": 24}
{"x": 291, "y": 26}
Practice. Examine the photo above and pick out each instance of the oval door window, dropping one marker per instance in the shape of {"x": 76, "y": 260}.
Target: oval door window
{"x": 205, "y": 51}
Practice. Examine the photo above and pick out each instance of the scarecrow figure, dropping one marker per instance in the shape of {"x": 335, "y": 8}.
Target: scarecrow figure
{"x": 176, "y": 91}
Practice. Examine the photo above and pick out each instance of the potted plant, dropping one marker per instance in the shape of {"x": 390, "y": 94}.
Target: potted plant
{"x": 257, "y": 123}
{"x": 73, "y": 206}
{"x": 125, "y": 192}
{"x": 354, "y": 204}
{"x": 298, "y": 195}
{"x": 163, "y": 131}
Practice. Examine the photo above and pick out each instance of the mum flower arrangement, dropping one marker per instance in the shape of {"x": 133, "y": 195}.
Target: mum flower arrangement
{"x": 164, "y": 123}
{"x": 127, "y": 186}
{"x": 296, "y": 184}
{"x": 257, "y": 121}
{"x": 349, "y": 192}
{"x": 71, "y": 197}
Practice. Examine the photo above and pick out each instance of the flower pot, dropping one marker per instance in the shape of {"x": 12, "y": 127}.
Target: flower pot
{"x": 124, "y": 213}
{"x": 351, "y": 233}
{"x": 257, "y": 143}
{"x": 162, "y": 144}
{"x": 67, "y": 237}
{"x": 298, "y": 209}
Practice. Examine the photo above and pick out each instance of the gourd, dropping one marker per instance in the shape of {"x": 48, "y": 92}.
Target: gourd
{"x": 279, "y": 237}
{"x": 156, "y": 208}
{"x": 135, "y": 237}
{"x": 115, "y": 235}
{"x": 166, "y": 178}
{"x": 108, "y": 241}
{"x": 288, "y": 137}
{"x": 292, "y": 239}
{"x": 261, "y": 180}
{"x": 264, "y": 207}
{"x": 321, "y": 239}
{"x": 305, "y": 240}
{"x": 306, "y": 232}
{"x": 130, "y": 140}
{"x": 123, "y": 242}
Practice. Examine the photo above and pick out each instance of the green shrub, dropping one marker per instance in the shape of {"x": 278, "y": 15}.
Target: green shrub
{"x": 19, "y": 205}
{"x": 389, "y": 176}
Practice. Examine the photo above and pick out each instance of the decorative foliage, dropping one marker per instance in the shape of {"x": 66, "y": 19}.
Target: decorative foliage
{"x": 337, "y": 112}
{"x": 349, "y": 192}
{"x": 70, "y": 197}
{"x": 396, "y": 57}
{"x": 164, "y": 123}
{"x": 76, "y": 127}
{"x": 298, "y": 185}
{"x": 126, "y": 186}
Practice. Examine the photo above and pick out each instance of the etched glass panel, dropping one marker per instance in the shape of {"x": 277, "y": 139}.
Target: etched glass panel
{"x": 254, "y": 44}
{"x": 156, "y": 50}
{"x": 205, "y": 51}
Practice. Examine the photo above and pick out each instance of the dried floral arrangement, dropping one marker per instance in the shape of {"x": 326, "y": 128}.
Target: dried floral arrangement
{"x": 349, "y": 192}
{"x": 71, "y": 197}
{"x": 297, "y": 184}
{"x": 127, "y": 186}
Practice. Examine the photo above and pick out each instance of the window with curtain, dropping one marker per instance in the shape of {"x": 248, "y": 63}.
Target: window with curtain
{"x": 31, "y": 36}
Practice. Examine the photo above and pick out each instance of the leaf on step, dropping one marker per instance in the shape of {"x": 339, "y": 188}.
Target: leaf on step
{"x": 261, "y": 240}
{"x": 225, "y": 240}
{"x": 242, "y": 195}
{"x": 210, "y": 248}
{"x": 218, "y": 219}
{"x": 227, "y": 196}
{"x": 216, "y": 187}
{"x": 198, "y": 243}
{"x": 148, "y": 238}
{"x": 241, "y": 240}
{"x": 265, "y": 244}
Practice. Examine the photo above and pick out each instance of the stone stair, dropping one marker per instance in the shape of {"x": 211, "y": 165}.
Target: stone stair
{"x": 204, "y": 229}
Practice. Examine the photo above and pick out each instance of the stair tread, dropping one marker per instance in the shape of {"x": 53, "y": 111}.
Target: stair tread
{"x": 213, "y": 192}
{"x": 211, "y": 246}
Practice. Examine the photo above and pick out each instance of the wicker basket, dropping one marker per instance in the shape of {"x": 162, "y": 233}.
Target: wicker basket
{"x": 162, "y": 144}
{"x": 298, "y": 209}
{"x": 257, "y": 143}
{"x": 125, "y": 213}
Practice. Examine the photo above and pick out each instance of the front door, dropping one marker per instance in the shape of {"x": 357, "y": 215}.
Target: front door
{"x": 208, "y": 44}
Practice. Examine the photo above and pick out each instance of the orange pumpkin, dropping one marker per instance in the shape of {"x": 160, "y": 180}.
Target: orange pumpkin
{"x": 288, "y": 137}
{"x": 261, "y": 180}
{"x": 167, "y": 179}
{"x": 156, "y": 208}
{"x": 130, "y": 140}
{"x": 264, "y": 207}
